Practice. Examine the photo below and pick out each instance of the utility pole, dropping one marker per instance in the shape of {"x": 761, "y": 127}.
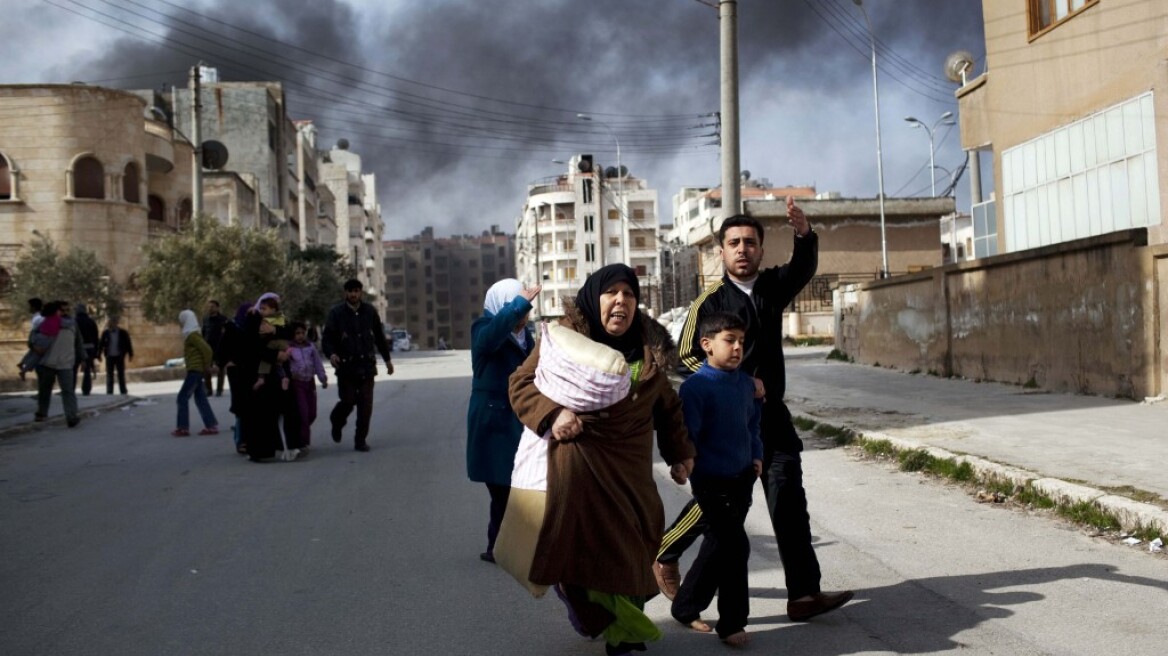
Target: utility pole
{"x": 731, "y": 191}
{"x": 197, "y": 137}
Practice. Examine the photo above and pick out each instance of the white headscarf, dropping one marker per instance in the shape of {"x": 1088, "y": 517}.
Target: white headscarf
{"x": 497, "y": 298}
{"x": 189, "y": 322}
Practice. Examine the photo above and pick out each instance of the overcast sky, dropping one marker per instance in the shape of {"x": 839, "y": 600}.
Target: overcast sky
{"x": 457, "y": 105}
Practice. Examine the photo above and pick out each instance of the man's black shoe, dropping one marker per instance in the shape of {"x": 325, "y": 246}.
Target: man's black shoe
{"x": 73, "y": 422}
{"x": 336, "y": 433}
{"x": 362, "y": 447}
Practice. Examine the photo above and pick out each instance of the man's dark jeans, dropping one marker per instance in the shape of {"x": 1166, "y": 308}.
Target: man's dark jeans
{"x": 354, "y": 392}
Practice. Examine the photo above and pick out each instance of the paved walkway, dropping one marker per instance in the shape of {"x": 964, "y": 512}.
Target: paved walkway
{"x": 1080, "y": 447}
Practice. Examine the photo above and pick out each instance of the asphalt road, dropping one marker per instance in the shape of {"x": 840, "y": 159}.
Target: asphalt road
{"x": 119, "y": 539}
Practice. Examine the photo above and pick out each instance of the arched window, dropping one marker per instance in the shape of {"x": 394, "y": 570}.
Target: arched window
{"x": 184, "y": 212}
{"x": 130, "y": 184}
{"x": 157, "y": 208}
{"x": 88, "y": 178}
{"x": 5, "y": 178}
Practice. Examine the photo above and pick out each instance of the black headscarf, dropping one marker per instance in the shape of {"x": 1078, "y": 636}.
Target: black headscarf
{"x": 631, "y": 344}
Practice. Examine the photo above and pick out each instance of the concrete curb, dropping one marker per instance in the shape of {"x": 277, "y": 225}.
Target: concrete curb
{"x": 1132, "y": 514}
{"x": 59, "y": 420}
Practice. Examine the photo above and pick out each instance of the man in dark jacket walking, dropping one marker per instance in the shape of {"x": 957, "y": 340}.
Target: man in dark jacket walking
{"x": 353, "y": 336}
{"x": 214, "y": 324}
{"x": 87, "y": 328}
{"x": 759, "y": 298}
{"x": 115, "y": 346}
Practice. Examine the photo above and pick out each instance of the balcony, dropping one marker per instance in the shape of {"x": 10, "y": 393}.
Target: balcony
{"x": 159, "y": 147}
{"x": 559, "y": 225}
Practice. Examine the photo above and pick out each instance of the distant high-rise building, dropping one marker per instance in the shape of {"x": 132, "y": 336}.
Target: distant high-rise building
{"x": 578, "y": 222}
{"x": 435, "y": 287}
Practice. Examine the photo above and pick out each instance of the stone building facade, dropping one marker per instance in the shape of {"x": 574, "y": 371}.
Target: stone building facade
{"x": 90, "y": 166}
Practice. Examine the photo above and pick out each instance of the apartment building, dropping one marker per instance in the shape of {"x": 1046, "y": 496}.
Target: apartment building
{"x": 575, "y": 223}
{"x": 358, "y": 224}
{"x": 1073, "y": 108}
{"x": 435, "y": 286}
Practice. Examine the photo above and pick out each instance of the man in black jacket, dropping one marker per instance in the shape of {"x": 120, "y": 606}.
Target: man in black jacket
{"x": 759, "y": 298}
{"x": 214, "y": 325}
{"x": 87, "y": 328}
{"x": 116, "y": 347}
{"x": 353, "y": 336}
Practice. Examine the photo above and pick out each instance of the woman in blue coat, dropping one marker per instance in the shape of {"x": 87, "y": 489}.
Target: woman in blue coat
{"x": 500, "y": 342}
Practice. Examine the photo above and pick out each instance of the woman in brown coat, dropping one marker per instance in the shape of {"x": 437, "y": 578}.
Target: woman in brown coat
{"x": 604, "y": 520}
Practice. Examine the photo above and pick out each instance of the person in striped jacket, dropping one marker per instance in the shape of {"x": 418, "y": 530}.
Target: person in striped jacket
{"x": 759, "y": 297}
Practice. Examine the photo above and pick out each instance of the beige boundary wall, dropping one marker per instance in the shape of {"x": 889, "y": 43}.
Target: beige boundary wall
{"x": 1082, "y": 316}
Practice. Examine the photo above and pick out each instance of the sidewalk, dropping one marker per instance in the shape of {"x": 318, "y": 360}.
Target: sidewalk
{"x": 17, "y": 410}
{"x": 1077, "y": 448}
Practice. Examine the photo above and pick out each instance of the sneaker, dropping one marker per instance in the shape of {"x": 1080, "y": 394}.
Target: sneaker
{"x": 336, "y": 433}
{"x": 362, "y": 447}
{"x": 73, "y": 422}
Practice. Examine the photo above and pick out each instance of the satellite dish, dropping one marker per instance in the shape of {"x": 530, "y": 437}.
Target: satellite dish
{"x": 745, "y": 174}
{"x": 214, "y": 155}
{"x": 342, "y": 144}
{"x": 585, "y": 165}
{"x": 957, "y": 65}
{"x": 624, "y": 171}
{"x": 610, "y": 172}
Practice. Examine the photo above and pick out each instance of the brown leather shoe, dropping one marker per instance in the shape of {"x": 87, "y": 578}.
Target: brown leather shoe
{"x": 821, "y": 602}
{"x": 668, "y": 577}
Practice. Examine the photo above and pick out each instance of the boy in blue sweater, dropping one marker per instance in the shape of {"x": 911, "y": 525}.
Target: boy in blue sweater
{"x": 723, "y": 419}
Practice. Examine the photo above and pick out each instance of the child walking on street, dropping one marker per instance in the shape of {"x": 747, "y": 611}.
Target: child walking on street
{"x": 723, "y": 418}
{"x": 198, "y": 359}
{"x": 305, "y": 363}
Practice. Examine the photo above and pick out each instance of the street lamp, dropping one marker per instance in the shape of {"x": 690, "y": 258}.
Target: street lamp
{"x": 879, "y": 157}
{"x": 946, "y": 119}
{"x": 620, "y": 186}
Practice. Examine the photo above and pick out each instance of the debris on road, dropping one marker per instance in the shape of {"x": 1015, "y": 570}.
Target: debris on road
{"x": 1132, "y": 541}
{"x": 985, "y": 496}
{"x": 1156, "y": 546}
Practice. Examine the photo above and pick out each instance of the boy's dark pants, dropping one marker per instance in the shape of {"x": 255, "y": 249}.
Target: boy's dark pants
{"x": 354, "y": 392}
{"x": 720, "y": 566}
{"x": 782, "y": 478}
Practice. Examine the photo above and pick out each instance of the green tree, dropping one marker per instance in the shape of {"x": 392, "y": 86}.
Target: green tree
{"x": 76, "y": 276}
{"x": 206, "y": 260}
{"x": 313, "y": 282}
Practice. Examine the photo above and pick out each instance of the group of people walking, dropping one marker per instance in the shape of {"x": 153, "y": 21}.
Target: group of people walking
{"x": 602, "y": 544}
{"x": 63, "y": 341}
{"x": 272, "y": 368}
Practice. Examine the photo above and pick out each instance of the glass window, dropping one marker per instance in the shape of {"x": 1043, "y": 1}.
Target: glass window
{"x": 1045, "y": 14}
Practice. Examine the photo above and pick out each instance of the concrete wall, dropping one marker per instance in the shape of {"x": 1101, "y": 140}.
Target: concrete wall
{"x": 1080, "y": 316}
